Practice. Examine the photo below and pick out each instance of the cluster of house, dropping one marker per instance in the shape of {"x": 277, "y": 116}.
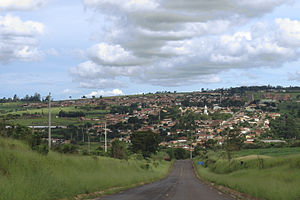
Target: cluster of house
{"x": 251, "y": 122}
{"x": 249, "y": 127}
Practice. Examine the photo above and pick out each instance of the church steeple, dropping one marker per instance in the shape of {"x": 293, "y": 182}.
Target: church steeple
{"x": 205, "y": 110}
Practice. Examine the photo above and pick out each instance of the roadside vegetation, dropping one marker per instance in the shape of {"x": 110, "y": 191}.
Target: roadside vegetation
{"x": 29, "y": 171}
{"x": 29, "y": 175}
{"x": 272, "y": 173}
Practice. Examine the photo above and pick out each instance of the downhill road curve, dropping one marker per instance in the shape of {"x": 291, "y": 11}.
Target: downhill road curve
{"x": 181, "y": 184}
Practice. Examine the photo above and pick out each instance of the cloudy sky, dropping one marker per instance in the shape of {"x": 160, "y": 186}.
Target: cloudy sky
{"x": 116, "y": 47}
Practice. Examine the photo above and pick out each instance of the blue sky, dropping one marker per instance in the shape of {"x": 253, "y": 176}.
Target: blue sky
{"x": 115, "y": 47}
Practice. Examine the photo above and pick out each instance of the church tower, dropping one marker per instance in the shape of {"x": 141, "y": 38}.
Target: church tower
{"x": 205, "y": 110}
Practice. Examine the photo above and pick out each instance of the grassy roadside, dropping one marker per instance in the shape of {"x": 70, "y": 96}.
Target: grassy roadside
{"x": 115, "y": 190}
{"x": 28, "y": 175}
{"x": 261, "y": 177}
{"x": 276, "y": 152}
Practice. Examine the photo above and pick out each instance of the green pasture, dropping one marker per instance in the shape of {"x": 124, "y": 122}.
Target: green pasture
{"x": 10, "y": 110}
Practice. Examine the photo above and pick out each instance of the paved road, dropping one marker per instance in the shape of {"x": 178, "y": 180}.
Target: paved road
{"x": 181, "y": 184}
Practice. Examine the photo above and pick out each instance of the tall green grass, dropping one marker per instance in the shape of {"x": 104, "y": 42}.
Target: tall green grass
{"x": 270, "y": 151}
{"x": 28, "y": 175}
{"x": 267, "y": 178}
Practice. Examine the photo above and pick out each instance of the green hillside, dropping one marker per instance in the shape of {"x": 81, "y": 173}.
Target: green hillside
{"x": 27, "y": 175}
{"x": 272, "y": 175}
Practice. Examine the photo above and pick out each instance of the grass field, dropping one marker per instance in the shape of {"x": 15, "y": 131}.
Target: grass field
{"x": 11, "y": 109}
{"x": 258, "y": 95}
{"x": 27, "y": 175}
{"x": 272, "y": 175}
{"x": 269, "y": 152}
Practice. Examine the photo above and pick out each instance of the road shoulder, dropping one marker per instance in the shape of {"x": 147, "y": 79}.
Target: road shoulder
{"x": 116, "y": 190}
{"x": 222, "y": 189}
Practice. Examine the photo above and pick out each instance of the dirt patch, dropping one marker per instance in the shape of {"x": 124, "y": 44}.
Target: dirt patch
{"x": 250, "y": 157}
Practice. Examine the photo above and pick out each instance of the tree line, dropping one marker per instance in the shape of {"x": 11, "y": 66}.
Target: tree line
{"x": 34, "y": 98}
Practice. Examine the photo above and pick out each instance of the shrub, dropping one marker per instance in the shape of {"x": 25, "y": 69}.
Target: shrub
{"x": 42, "y": 149}
{"x": 296, "y": 144}
{"x": 85, "y": 152}
{"x": 181, "y": 154}
{"x": 118, "y": 150}
{"x": 34, "y": 139}
{"x": 145, "y": 166}
{"x": 66, "y": 148}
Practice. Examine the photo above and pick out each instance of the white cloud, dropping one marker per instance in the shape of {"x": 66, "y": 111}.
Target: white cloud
{"x": 12, "y": 25}
{"x": 112, "y": 55}
{"x": 101, "y": 83}
{"x": 114, "y": 92}
{"x": 70, "y": 92}
{"x": 91, "y": 70}
{"x": 176, "y": 42}
{"x": 128, "y": 5}
{"x": 21, "y": 4}
{"x": 289, "y": 31}
{"x": 52, "y": 52}
{"x": 18, "y": 39}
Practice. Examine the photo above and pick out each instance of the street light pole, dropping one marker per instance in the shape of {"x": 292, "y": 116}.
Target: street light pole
{"x": 89, "y": 142}
{"x": 49, "y": 120}
{"x": 191, "y": 154}
{"x": 105, "y": 133}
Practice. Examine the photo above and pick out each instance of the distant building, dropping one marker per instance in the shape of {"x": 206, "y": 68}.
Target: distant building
{"x": 205, "y": 110}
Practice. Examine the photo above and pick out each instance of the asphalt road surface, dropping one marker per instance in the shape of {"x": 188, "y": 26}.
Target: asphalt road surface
{"x": 181, "y": 184}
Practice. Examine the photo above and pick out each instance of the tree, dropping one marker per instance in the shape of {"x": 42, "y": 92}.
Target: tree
{"x": 232, "y": 143}
{"x": 199, "y": 151}
{"x": 118, "y": 150}
{"x": 181, "y": 154}
{"x": 284, "y": 127}
{"x": 36, "y": 97}
{"x": 210, "y": 144}
{"x": 71, "y": 114}
{"x": 34, "y": 139}
{"x": 16, "y": 98}
{"x": 145, "y": 142}
{"x": 133, "y": 120}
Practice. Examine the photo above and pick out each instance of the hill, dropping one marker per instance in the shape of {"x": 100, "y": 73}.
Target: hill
{"x": 27, "y": 175}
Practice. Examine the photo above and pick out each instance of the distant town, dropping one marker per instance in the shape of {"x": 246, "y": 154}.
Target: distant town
{"x": 183, "y": 120}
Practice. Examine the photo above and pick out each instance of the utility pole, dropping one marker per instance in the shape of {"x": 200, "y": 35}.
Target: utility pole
{"x": 159, "y": 116}
{"x": 191, "y": 145}
{"x": 89, "y": 144}
{"x": 82, "y": 134}
{"x": 77, "y": 138}
{"x": 105, "y": 133}
{"x": 49, "y": 120}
